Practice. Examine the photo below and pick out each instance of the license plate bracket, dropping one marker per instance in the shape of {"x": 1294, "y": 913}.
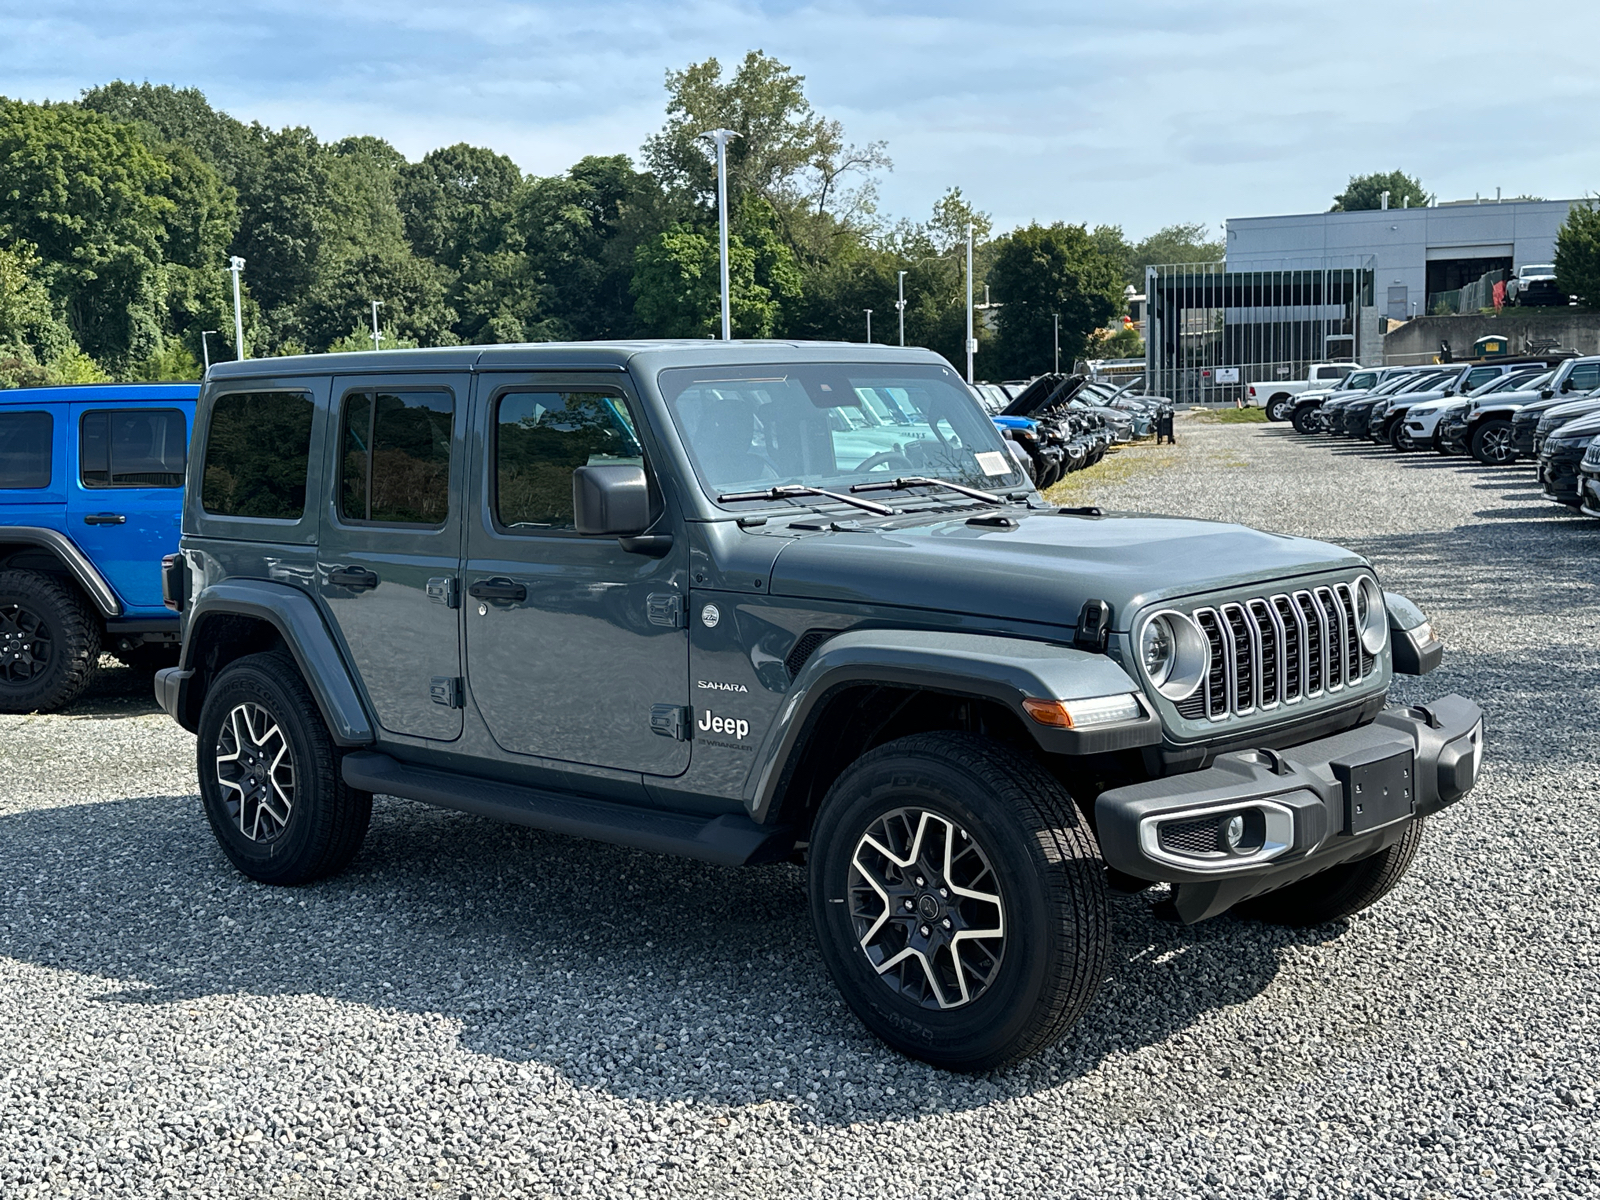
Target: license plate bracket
{"x": 1380, "y": 788}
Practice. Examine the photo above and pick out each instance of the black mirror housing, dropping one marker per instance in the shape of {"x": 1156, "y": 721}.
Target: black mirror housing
{"x": 612, "y": 500}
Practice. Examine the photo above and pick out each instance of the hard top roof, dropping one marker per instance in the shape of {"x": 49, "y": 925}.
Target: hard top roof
{"x": 89, "y": 392}
{"x": 620, "y": 355}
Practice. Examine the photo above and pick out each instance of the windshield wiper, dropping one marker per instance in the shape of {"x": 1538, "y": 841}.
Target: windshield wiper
{"x": 911, "y": 481}
{"x": 791, "y": 490}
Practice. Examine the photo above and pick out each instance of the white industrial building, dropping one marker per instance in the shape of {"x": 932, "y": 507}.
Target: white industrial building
{"x": 1416, "y": 252}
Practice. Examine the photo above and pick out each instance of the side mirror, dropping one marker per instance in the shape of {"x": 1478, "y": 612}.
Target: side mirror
{"x": 1545, "y": 394}
{"x": 1566, "y": 385}
{"x": 610, "y": 501}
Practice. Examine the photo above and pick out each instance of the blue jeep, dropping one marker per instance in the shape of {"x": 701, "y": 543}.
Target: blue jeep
{"x": 91, "y": 490}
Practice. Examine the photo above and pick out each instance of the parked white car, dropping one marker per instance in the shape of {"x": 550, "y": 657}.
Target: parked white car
{"x": 1277, "y": 395}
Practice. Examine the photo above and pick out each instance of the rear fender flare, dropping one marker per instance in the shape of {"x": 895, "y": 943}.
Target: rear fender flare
{"x": 299, "y": 623}
{"x": 76, "y": 563}
{"x": 1004, "y": 669}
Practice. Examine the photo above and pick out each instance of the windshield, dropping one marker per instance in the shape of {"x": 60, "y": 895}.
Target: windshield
{"x": 1423, "y": 382}
{"x": 830, "y": 425}
{"x": 1511, "y": 383}
{"x": 1536, "y": 269}
{"x": 1360, "y": 380}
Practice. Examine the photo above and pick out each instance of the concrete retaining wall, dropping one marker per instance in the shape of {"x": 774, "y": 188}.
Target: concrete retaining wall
{"x": 1418, "y": 341}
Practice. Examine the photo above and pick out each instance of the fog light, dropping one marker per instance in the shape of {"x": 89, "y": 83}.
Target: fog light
{"x": 1083, "y": 714}
{"x": 1233, "y": 831}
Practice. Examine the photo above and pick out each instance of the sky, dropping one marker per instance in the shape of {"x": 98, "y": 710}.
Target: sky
{"x": 1139, "y": 114}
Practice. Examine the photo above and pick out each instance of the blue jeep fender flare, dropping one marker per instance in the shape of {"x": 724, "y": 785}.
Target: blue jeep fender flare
{"x": 84, "y": 572}
{"x": 1004, "y": 669}
{"x": 296, "y": 618}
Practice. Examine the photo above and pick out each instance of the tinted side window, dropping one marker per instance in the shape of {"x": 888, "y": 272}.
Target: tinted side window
{"x": 145, "y": 447}
{"x": 1479, "y": 376}
{"x": 1585, "y": 377}
{"x": 258, "y": 449}
{"x": 25, "y": 449}
{"x": 539, "y": 438}
{"x": 394, "y": 465}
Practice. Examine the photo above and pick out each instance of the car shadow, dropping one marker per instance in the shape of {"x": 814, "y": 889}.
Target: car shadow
{"x": 640, "y": 975}
{"x": 115, "y": 691}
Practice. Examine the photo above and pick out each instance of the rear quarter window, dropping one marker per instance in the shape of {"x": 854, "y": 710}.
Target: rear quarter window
{"x": 25, "y": 449}
{"x": 258, "y": 453}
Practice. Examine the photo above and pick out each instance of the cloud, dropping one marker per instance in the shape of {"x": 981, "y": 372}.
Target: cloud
{"x": 1140, "y": 114}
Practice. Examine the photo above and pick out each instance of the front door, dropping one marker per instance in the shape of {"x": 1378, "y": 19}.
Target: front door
{"x": 571, "y": 641}
{"x": 389, "y": 555}
{"x": 123, "y": 489}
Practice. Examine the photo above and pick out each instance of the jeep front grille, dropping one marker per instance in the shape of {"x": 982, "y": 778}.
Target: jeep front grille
{"x": 1270, "y": 651}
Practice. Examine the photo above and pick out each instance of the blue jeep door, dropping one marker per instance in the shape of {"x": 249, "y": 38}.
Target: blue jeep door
{"x": 124, "y": 491}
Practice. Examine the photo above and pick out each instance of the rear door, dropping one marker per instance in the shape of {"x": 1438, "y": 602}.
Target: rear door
{"x": 389, "y": 554}
{"x": 124, "y": 490}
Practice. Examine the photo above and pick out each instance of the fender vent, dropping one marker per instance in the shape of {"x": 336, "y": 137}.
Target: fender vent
{"x": 804, "y": 647}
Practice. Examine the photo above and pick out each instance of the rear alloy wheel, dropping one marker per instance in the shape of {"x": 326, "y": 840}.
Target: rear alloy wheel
{"x": 1492, "y": 444}
{"x": 269, "y": 776}
{"x": 49, "y": 643}
{"x": 959, "y": 900}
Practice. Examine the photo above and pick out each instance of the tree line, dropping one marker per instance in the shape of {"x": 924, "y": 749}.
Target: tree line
{"x": 119, "y": 212}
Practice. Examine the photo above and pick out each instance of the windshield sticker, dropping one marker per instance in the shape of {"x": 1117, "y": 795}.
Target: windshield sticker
{"x": 992, "y": 462}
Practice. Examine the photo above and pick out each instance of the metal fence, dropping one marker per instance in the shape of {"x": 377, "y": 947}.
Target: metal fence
{"x": 1211, "y": 331}
{"x": 1476, "y": 296}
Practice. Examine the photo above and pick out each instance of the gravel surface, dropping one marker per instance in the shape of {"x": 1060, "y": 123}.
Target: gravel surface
{"x": 475, "y": 1010}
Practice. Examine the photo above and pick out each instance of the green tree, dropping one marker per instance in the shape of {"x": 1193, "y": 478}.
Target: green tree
{"x": 182, "y": 117}
{"x": 92, "y": 198}
{"x": 459, "y": 201}
{"x": 411, "y": 289}
{"x": 1365, "y": 192}
{"x": 283, "y": 195}
{"x": 32, "y": 335}
{"x": 1185, "y": 242}
{"x": 1578, "y": 253}
{"x": 1038, "y": 272}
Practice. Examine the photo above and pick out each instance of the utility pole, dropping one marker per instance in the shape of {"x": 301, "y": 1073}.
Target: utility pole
{"x": 205, "y": 350}
{"x": 376, "y": 336}
{"x": 901, "y": 305}
{"x": 721, "y": 136}
{"x": 972, "y": 342}
{"x": 869, "y": 327}
{"x": 236, "y": 265}
{"x": 1057, "y": 316}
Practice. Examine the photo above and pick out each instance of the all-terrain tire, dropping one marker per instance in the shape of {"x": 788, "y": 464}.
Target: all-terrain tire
{"x": 1491, "y": 444}
{"x": 49, "y": 642}
{"x": 1339, "y": 891}
{"x": 289, "y": 835}
{"x": 997, "y": 807}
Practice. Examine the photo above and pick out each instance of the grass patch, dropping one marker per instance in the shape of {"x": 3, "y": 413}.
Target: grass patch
{"x": 1119, "y": 466}
{"x": 1231, "y": 416}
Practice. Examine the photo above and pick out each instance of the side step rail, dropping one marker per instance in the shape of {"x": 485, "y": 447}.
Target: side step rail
{"x": 730, "y": 840}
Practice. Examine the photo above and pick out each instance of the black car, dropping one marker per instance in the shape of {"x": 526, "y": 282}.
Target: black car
{"x": 1563, "y": 451}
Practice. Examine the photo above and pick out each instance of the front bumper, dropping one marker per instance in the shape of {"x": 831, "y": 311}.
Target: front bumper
{"x": 1558, "y": 476}
{"x": 1296, "y": 811}
{"x": 1589, "y": 491}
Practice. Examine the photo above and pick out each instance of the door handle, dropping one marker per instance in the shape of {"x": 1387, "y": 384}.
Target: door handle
{"x": 497, "y": 589}
{"x": 104, "y": 519}
{"x": 356, "y": 578}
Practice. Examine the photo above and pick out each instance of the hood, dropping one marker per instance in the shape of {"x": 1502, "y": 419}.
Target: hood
{"x": 1586, "y": 425}
{"x": 1046, "y": 568}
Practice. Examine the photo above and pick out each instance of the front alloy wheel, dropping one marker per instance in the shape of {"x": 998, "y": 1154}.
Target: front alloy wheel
{"x": 927, "y": 910}
{"x": 255, "y": 767}
{"x": 1493, "y": 444}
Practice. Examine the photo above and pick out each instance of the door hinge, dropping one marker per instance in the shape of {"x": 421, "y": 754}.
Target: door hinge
{"x": 446, "y": 690}
{"x": 670, "y": 720}
{"x": 446, "y": 591}
{"x": 665, "y": 609}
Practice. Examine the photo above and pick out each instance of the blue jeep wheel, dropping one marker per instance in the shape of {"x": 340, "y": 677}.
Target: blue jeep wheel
{"x": 49, "y": 643}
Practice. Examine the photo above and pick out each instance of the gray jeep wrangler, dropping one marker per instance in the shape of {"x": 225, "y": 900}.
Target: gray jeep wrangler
{"x": 764, "y": 602}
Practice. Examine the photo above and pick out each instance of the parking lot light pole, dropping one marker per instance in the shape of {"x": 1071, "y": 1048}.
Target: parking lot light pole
{"x": 869, "y": 327}
{"x": 721, "y": 136}
{"x": 376, "y": 336}
{"x": 1057, "y": 316}
{"x": 236, "y": 265}
{"x": 972, "y": 342}
{"x": 901, "y": 305}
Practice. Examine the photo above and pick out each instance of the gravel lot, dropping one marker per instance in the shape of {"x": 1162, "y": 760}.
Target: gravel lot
{"x": 475, "y": 1010}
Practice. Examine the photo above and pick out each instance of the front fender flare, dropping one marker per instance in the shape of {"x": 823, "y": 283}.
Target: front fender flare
{"x": 1004, "y": 669}
{"x": 299, "y": 622}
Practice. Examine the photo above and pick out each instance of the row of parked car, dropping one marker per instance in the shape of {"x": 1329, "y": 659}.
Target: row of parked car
{"x": 1544, "y": 411}
{"x": 1059, "y": 423}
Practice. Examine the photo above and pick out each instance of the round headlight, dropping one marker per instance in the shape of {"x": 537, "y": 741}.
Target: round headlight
{"x": 1372, "y": 617}
{"x": 1174, "y": 653}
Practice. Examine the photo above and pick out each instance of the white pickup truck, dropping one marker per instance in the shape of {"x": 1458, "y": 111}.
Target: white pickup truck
{"x": 1277, "y": 395}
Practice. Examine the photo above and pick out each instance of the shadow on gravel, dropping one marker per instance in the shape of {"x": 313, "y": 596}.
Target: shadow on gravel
{"x": 115, "y": 691}
{"x": 641, "y": 976}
